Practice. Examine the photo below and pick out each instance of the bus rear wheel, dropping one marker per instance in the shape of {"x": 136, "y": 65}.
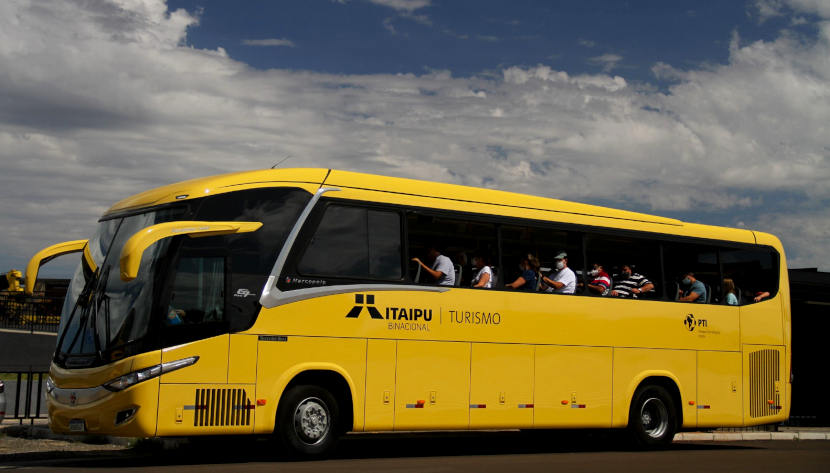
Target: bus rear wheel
{"x": 652, "y": 419}
{"x": 308, "y": 421}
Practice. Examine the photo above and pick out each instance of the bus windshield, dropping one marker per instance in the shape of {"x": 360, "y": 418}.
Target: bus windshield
{"x": 102, "y": 313}
{"x": 186, "y": 288}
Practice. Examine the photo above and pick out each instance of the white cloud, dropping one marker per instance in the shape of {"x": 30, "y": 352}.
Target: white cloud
{"x": 488, "y": 38}
{"x": 403, "y": 5}
{"x": 103, "y": 100}
{"x": 389, "y": 25}
{"x": 608, "y": 61}
{"x": 771, "y": 8}
{"x": 269, "y": 42}
{"x": 808, "y": 227}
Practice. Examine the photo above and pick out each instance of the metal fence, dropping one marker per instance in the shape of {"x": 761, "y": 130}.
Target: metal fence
{"x": 33, "y": 314}
{"x": 25, "y": 395}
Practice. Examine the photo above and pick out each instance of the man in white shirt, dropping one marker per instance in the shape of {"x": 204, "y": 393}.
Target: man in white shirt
{"x": 442, "y": 269}
{"x": 562, "y": 279}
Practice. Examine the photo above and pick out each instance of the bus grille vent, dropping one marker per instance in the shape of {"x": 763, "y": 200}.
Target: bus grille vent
{"x": 763, "y": 378}
{"x": 222, "y": 407}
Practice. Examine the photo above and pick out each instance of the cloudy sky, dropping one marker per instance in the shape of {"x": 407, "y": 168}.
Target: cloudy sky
{"x": 708, "y": 111}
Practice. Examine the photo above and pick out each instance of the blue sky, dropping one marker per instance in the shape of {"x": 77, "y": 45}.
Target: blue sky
{"x": 473, "y": 37}
{"x": 712, "y": 112}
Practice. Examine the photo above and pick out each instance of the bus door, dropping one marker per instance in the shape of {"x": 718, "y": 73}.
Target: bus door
{"x": 196, "y": 324}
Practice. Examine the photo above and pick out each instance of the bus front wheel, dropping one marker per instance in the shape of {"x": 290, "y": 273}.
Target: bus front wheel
{"x": 652, "y": 420}
{"x": 308, "y": 421}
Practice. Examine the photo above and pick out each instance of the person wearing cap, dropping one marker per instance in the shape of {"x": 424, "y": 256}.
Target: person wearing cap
{"x": 562, "y": 279}
{"x": 632, "y": 284}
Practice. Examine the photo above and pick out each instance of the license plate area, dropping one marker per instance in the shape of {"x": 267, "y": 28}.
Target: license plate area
{"x": 77, "y": 425}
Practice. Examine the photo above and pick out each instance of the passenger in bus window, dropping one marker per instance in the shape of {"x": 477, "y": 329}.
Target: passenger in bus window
{"x": 761, "y": 295}
{"x": 601, "y": 282}
{"x": 694, "y": 291}
{"x": 174, "y": 316}
{"x": 529, "y": 266}
{"x": 729, "y": 292}
{"x": 484, "y": 277}
{"x": 442, "y": 269}
{"x": 562, "y": 279}
{"x": 631, "y": 284}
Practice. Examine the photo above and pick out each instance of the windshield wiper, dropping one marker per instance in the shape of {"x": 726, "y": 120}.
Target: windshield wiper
{"x": 84, "y": 299}
{"x": 101, "y": 298}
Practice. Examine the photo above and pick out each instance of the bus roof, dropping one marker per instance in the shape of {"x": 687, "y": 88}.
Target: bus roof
{"x": 316, "y": 177}
{"x": 219, "y": 184}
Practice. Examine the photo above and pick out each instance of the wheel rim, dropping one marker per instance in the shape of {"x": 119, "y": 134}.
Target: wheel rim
{"x": 654, "y": 417}
{"x": 312, "y": 420}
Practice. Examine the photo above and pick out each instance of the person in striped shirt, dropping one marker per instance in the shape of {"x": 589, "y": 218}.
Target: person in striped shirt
{"x": 601, "y": 283}
{"x": 632, "y": 284}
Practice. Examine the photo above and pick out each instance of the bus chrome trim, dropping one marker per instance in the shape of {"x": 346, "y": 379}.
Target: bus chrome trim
{"x": 82, "y": 396}
{"x": 75, "y": 396}
{"x": 296, "y": 295}
{"x": 272, "y": 296}
{"x": 270, "y": 293}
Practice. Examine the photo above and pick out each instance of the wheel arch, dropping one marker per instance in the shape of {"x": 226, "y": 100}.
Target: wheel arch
{"x": 330, "y": 377}
{"x": 659, "y": 378}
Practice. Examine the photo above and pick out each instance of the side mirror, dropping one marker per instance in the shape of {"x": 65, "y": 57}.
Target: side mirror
{"x": 47, "y": 254}
{"x": 134, "y": 248}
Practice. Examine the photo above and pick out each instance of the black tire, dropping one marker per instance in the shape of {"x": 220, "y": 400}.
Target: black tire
{"x": 308, "y": 421}
{"x": 652, "y": 419}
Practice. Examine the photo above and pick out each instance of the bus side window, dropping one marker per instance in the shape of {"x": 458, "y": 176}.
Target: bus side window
{"x": 753, "y": 272}
{"x": 543, "y": 243}
{"x": 355, "y": 243}
{"x": 198, "y": 293}
{"x": 702, "y": 261}
{"x": 613, "y": 252}
{"x": 457, "y": 238}
{"x": 250, "y": 256}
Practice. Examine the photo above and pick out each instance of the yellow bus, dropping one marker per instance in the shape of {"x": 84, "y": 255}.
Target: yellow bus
{"x": 293, "y": 302}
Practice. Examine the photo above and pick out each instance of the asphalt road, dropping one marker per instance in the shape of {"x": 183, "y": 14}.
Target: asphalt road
{"x": 480, "y": 452}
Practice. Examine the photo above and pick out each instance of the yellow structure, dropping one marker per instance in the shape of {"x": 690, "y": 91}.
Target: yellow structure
{"x": 13, "y": 278}
{"x": 225, "y": 334}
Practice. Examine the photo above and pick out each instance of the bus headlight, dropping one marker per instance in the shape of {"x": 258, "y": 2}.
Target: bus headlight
{"x": 123, "y": 382}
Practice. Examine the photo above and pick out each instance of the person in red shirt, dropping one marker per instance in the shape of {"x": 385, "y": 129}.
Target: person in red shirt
{"x": 601, "y": 283}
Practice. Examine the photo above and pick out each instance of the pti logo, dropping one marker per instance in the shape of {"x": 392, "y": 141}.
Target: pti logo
{"x": 691, "y": 322}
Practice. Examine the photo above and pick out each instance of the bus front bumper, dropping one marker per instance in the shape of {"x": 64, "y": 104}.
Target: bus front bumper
{"x": 97, "y": 411}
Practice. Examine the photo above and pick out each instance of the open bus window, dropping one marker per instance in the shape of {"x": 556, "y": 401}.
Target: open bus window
{"x": 457, "y": 239}
{"x": 753, "y": 272}
{"x": 543, "y": 243}
{"x": 702, "y": 261}
{"x": 614, "y": 253}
